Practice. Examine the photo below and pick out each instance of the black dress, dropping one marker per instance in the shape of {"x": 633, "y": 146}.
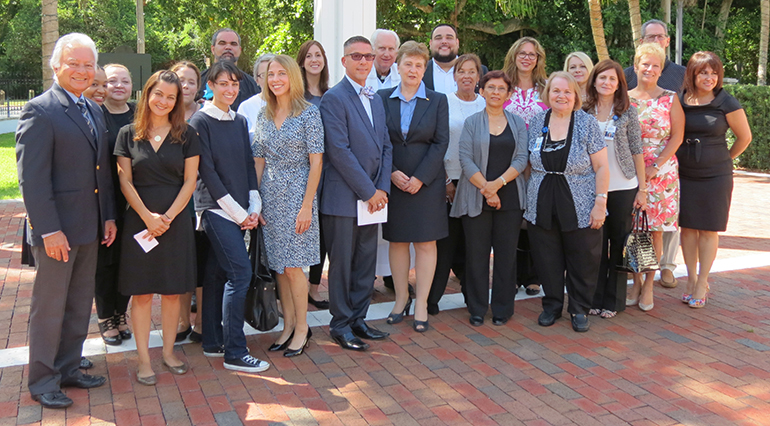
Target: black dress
{"x": 705, "y": 166}
{"x": 158, "y": 177}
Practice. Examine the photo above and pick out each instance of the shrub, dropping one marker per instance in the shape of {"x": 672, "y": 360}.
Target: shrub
{"x": 756, "y": 102}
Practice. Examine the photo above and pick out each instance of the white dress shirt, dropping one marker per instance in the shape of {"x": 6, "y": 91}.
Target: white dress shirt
{"x": 444, "y": 81}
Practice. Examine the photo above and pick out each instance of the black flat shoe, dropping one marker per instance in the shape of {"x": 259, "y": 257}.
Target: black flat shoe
{"x": 85, "y": 363}
{"x": 288, "y": 353}
{"x": 183, "y": 335}
{"x": 532, "y": 291}
{"x": 122, "y": 321}
{"x": 85, "y": 381}
{"x": 546, "y": 319}
{"x": 420, "y": 326}
{"x": 580, "y": 323}
{"x": 107, "y": 325}
{"x": 195, "y": 337}
{"x": 275, "y": 347}
{"x": 53, "y": 399}
{"x": 365, "y": 332}
{"x": 476, "y": 320}
{"x": 499, "y": 320}
{"x": 319, "y": 304}
{"x": 397, "y": 318}
{"x": 351, "y": 342}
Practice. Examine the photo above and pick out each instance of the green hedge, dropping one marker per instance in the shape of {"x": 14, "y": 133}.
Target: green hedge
{"x": 756, "y": 102}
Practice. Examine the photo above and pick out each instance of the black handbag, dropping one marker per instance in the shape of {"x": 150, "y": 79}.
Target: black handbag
{"x": 638, "y": 251}
{"x": 261, "y": 305}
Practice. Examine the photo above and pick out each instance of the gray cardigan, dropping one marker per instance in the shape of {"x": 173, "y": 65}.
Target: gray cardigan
{"x": 628, "y": 141}
{"x": 474, "y": 155}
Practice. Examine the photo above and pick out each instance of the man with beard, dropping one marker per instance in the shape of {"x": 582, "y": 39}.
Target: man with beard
{"x": 439, "y": 72}
{"x": 226, "y": 46}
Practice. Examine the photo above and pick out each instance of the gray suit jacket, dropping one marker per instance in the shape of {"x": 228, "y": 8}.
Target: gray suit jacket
{"x": 357, "y": 157}
{"x": 474, "y": 157}
{"x": 64, "y": 172}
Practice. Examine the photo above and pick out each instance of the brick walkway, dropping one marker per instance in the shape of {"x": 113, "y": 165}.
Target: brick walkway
{"x": 674, "y": 365}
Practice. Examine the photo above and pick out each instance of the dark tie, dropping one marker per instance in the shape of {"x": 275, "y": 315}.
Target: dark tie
{"x": 84, "y": 110}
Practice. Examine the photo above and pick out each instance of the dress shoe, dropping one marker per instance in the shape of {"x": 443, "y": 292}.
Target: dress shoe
{"x": 387, "y": 280}
{"x": 532, "y": 291}
{"x": 85, "y": 381}
{"x": 122, "y": 323}
{"x": 176, "y": 369}
{"x": 319, "y": 304}
{"x": 499, "y": 320}
{"x": 85, "y": 363}
{"x": 107, "y": 325}
{"x": 667, "y": 279}
{"x": 147, "y": 381}
{"x": 365, "y": 332}
{"x": 420, "y": 326}
{"x": 476, "y": 320}
{"x": 182, "y": 335}
{"x": 288, "y": 353}
{"x": 53, "y": 399}
{"x": 546, "y": 319}
{"x": 349, "y": 341}
{"x": 397, "y": 318}
{"x": 195, "y": 337}
{"x": 275, "y": 347}
{"x": 580, "y": 323}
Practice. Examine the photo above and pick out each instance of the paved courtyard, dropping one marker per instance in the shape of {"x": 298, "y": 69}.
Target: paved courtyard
{"x": 671, "y": 366}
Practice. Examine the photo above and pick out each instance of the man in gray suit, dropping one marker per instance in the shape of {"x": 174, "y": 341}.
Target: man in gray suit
{"x": 64, "y": 176}
{"x": 357, "y": 166}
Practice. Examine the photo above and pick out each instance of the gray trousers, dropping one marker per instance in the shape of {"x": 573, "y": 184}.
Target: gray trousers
{"x": 670, "y": 249}
{"x": 352, "y": 252}
{"x": 62, "y": 297}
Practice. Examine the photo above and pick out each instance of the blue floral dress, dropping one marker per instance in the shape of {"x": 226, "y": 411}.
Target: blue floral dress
{"x": 284, "y": 181}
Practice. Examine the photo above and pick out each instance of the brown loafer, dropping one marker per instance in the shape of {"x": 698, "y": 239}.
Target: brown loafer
{"x": 672, "y": 283}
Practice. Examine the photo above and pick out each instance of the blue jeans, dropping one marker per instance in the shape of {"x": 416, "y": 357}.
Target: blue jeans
{"x": 227, "y": 244}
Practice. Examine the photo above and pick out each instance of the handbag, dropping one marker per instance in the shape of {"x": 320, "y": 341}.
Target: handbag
{"x": 261, "y": 305}
{"x": 638, "y": 251}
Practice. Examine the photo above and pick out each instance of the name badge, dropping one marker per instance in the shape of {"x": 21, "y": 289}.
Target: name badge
{"x": 609, "y": 134}
{"x": 538, "y": 143}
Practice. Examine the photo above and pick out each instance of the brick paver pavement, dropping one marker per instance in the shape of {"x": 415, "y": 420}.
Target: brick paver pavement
{"x": 671, "y": 366}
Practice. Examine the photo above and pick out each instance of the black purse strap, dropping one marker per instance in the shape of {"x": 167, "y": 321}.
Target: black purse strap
{"x": 640, "y": 221}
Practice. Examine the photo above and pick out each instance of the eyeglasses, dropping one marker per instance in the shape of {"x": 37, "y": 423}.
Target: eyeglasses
{"x": 494, "y": 89}
{"x": 655, "y": 37}
{"x": 358, "y": 56}
{"x": 525, "y": 55}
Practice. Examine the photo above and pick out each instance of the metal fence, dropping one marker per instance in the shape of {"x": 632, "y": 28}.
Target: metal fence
{"x": 15, "y": 92}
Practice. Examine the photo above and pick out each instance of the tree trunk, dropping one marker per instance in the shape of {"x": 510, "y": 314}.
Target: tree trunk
{"x": 597, "y": 28}
{"x": 724, "y": 13}
{"x": 763, "y": 34}
{"x": 49, "y": 35}
{"x": 139, "y": 26}
{"x": 666, "y": 6}
{"x": 636, "y": 19}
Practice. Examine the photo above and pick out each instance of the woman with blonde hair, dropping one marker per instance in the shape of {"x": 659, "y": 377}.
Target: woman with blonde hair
{"x": 288, "y": 149}
{"x": 579, "y": 65}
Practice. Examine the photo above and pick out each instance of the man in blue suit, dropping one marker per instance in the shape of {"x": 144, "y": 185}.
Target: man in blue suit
{"x": 63, "y": 165}
{"x": 357, "y": 166}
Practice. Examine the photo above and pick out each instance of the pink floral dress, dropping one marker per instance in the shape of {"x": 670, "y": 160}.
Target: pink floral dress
{"x": 663, "y": 195}
{"x": 525, "y": 103}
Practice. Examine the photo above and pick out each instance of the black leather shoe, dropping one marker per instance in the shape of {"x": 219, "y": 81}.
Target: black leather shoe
{"x": 122, "y": 321}
{"x": 365, "y": 332}
{"x": 85, "y": 363}
{"x": 476, "y": 320}
{"x": 275, "y": 347}
{"x": 108, "y": 325}
{"x": 53, "y": 399}
{"x": 580, "y": 323}
{"x": 546, "y": 319}
{"x": 195, "y": 337}
{"x": 319, "y": 304}
{"x": 351, "y": 342}
{"x": 85, "y": 381}
{"x": 499, "y": 320}
{"x": 183, "y": 335}
{"x": 387, "y": 280}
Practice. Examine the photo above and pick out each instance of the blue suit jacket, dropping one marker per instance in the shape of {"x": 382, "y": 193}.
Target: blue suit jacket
{"x": 64, "y": 172}
{"x": 357, "y": 157}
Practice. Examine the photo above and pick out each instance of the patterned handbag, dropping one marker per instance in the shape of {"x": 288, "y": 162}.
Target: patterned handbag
{"x": 638, "y": 252}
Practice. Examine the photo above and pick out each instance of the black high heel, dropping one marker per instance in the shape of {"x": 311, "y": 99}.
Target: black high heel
{"x": 397, "y": 318}
{"x": 288, "y": 353}
{"x": 275, "y": 347}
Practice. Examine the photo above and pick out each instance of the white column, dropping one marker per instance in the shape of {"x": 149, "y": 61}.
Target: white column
{"x": 337, "y": 20}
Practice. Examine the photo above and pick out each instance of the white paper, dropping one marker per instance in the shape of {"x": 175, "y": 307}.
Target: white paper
{"x": 366, "y": 218}
{"x": 146, "y": 245}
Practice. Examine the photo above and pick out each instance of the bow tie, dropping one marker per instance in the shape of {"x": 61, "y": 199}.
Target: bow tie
{"x": 367, "y": 91}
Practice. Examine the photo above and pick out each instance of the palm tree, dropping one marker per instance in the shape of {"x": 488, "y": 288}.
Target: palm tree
{"x": 50, "y": 33}
{"x": 597, "y": 28}
{"x": 636, "y": 19}
{"x": 763, "y": 35}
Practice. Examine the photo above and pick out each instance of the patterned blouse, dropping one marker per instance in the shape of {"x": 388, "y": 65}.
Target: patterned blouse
{"x": 525, "y": 103}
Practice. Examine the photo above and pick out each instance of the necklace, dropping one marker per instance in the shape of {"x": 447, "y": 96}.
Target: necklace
{"x": 607, "y": 120}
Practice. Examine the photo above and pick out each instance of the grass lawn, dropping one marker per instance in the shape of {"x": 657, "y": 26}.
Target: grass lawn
{"x": 9, "y": 183}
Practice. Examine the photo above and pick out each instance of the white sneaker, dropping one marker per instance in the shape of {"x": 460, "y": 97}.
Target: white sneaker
{"x": 247, "y": 364}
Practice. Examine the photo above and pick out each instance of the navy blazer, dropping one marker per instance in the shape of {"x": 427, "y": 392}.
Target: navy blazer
{"x": 357, "y": 157}
{"x": 64, "y": 172}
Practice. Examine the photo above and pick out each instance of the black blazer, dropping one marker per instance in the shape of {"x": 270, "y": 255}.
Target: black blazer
{"x": 427, "y": 78}
{"x": 64, "y": 171}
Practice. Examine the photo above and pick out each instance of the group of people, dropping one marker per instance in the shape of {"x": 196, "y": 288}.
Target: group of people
{"x": 546, "y": 171}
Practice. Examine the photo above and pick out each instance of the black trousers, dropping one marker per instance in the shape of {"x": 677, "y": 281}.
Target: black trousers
{"x": 352, "y": 253}
{"x": 317, "y": 270}
{"x": 612, "y": 285}
{"x": 450, "y": 254}
{"x": 498, "y": 230}
{"x": 525, "y": 266}
{"x": 109, "y": 301}
{"x": 575, "y": 253}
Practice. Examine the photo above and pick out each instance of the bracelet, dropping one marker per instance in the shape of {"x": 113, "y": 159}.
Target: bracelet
{"x": 505, "y": 182}
{"x": 601, "y": 195}
{"x": 166, "y": 216}
{"x": 448, "y": 181}
{"x": 645, "y": 190}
